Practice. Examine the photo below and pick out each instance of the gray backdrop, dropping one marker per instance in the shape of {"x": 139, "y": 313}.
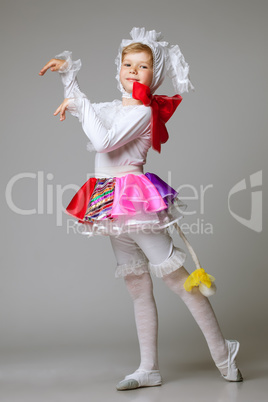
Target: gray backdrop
{"x": 58, "y": 288}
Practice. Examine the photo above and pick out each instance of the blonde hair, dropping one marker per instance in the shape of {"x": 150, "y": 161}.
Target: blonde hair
{"x": 137, "y": 48}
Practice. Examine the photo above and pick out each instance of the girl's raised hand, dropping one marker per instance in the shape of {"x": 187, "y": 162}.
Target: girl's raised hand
{"x": 61, "y": 109}
{"x": 53, "y": 65}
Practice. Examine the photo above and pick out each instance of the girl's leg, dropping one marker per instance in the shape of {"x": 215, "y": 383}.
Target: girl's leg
{"x": 133, "y": 266}
{"x": 140, "y": 288}
{"x": 203, "y": 314}
{"x": 166, "y": 261}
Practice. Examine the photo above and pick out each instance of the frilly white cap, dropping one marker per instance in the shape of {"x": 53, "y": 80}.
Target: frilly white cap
{"x": 167, "y": 61}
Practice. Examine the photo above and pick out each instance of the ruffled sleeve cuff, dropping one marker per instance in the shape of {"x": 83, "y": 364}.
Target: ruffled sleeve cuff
{"x": 68, "y": 73}
{"x": 69, "y": 65}
{"x": 75, "y": 106}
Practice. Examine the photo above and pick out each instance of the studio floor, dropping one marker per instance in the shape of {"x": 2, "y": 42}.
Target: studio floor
{"x": 91, "y": 374}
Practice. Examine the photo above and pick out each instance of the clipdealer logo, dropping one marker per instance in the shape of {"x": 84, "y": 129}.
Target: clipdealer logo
{"x": 255, "y": 220}
{"x": 50, "y": 200}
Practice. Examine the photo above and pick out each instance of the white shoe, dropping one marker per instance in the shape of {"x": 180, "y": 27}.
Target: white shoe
{"x": 141, "y": 378}
{"x": 233, "y": 373}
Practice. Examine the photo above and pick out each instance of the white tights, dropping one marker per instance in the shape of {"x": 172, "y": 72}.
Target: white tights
{"x": 140, "y": 288}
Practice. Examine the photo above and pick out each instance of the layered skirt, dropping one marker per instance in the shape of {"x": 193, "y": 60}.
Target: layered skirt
{"x": 134, "y": 203}
{"x": 115, "y": 205}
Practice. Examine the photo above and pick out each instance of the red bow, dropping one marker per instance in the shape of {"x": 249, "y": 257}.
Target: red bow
{"x": 163, "y": 108}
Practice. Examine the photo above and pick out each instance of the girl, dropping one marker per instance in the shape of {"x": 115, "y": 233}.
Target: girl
{"x": 133, "y": 208}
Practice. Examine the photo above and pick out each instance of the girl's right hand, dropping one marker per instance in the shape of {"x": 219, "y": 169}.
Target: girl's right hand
{"x": 62, "y": 109}
{"x": 53, "y": 65}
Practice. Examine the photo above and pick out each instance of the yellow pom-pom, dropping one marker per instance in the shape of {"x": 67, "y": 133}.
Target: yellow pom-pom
{"x": 200, "y": 278}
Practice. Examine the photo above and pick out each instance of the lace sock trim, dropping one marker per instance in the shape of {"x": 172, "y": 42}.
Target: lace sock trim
{"x": 138, "y": 268}
{"x": 171, "y": 264}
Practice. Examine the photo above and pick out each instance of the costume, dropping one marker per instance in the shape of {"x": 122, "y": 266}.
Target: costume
{"x": 135, "y": 209}
{"x": 121, "y": 199}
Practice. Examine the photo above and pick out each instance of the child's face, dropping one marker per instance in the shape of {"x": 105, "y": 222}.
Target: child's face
{"x": 136, "y": 67}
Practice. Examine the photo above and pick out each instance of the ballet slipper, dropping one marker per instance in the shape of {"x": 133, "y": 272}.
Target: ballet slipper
{"x": 139, "y": 379}
{"x": 233, "y": 373}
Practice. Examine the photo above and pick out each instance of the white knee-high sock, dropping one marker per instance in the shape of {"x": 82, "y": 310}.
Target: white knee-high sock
{"x": 140, "y": 288}
{"x": 202, "y": 312}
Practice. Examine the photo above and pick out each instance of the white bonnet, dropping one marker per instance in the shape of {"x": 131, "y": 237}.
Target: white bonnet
{"x": 168, "y": 61}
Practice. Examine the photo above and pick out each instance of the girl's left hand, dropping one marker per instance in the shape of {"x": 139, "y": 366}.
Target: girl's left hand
{"x": 62, "y": 108}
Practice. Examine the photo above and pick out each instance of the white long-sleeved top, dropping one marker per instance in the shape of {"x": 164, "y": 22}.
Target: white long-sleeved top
{"x": 120, "y": 134}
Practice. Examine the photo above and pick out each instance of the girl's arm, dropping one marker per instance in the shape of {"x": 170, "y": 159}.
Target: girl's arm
{"x": 68, "y": 70}
{"x": 133, "y": 124}
{"x": 124, "y": 129}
